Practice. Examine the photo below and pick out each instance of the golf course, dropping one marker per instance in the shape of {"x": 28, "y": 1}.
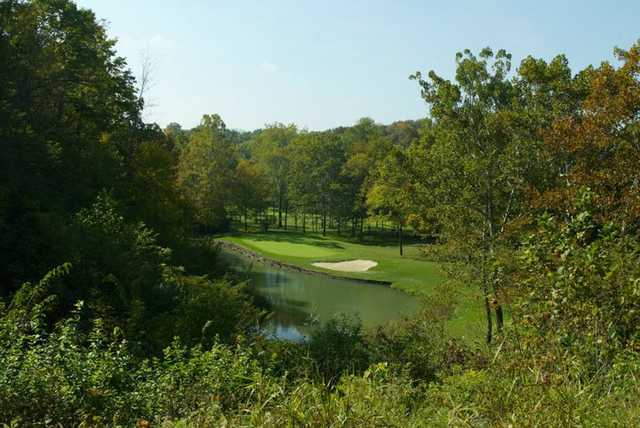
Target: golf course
{"x": 379, "y": 262}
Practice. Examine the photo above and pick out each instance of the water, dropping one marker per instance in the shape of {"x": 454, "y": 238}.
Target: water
{"x": 301, "y": 301}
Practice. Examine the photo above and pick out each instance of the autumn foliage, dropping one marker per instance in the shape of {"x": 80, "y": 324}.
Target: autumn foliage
{"x": 599, "y": 145}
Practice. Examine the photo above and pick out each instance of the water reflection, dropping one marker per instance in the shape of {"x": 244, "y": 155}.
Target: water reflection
{"x": 301, "y": 301}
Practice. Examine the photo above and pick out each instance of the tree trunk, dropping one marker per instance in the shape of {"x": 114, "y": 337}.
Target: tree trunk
{"x": 487, "y": 306}
{"x": 496, "y": 302}
{"x": 286, "y": 214}
{"x": 245, "y": 220}
{"x": 499, "y": 317}
{"x": 324, "y": 223}
{"x": 400, "y": 237}
{"x": 485, "y": 288}
{"x": 280, "y": 209}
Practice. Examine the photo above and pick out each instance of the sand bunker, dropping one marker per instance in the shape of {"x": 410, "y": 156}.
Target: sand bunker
{"x": 349, "y": 265}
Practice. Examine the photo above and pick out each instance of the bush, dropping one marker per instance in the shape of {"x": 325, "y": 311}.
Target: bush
{"x": 421, "y": 344}
{"x": 211, "y": 311}
{"x": 338, "y": 347}
{"x": 67, "y": 377}
{"x": 582, "y": 285}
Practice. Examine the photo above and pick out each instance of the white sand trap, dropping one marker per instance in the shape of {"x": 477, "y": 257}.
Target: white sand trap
{"x": 349, "y": 265}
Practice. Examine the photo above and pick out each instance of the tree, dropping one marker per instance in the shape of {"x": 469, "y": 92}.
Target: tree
{"x": 69, "y": 123}
{"x": 154, "y": 190}
{"x": 474, "y": 173}
{"x": 270, "y": 150}
{"x": 178, "y": 136}
{"x": 366, "y": 146}
{"x": 205, "y": 172}
{"x": 249, "y": 190}
{"x": 390, "y": 193}
{"x": 317, "y": 162}
{"x": 598, "y": 145}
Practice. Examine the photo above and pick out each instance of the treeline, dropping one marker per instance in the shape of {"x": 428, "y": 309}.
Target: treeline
{"x": 284, "y": 177}
{"x": 114, "y": 309}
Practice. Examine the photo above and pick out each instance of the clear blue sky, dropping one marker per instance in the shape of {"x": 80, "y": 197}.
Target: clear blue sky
{"x": 321, "y": 64}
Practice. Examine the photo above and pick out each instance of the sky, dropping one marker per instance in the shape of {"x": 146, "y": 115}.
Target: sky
{"x": 323, "y": 64}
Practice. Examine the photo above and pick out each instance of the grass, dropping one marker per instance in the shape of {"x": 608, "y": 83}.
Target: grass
{"x": 411, "y": 273}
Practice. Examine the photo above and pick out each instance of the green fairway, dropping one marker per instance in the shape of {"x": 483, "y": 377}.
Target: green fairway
{"x": 289, "y": 249}
{"x": 411, "y": 273}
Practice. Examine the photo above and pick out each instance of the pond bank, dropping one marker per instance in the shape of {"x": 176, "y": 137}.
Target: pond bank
{"x": 254, "y": 256}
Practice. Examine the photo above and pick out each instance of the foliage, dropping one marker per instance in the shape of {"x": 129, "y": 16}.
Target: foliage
{"x": 528, "y": 180}
{"x": 69, "y": 378}
{"x": 205, "y": 173}
{"x": 599, "y": 143}
{"x": 582, "y": 279}
{"x": 271, "y": 151}
{"x": 338, "y": 347}
{"x": 422, "y": 345}
{"x": 211, "y": 311}
{"x": 68, "y": 112}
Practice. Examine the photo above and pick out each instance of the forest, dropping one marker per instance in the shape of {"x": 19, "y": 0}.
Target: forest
{"x": 118, "y": 307}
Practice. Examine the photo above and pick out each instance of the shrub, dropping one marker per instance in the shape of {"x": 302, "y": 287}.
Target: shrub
{"x": 338, "y": 347}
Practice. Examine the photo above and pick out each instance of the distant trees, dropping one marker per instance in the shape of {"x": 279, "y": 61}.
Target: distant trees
{"x": 367, "y": 145}
{"x": 206, "y": 172}
{"x": 317, "y": 165}
{"x": 271, "y": 151}
{"x": 250, "y": 190}
{"x": 279, "y": 172}
{"x": 390, "y": 194}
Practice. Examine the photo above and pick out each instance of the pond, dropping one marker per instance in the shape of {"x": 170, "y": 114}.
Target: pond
{"x": 300, "y": 301}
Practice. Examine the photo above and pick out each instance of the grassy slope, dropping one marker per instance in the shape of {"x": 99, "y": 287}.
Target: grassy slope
{"x": 411, "y": 273}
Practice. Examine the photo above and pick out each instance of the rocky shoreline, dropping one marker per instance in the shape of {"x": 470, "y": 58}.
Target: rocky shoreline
{"x": 253, "y": 256}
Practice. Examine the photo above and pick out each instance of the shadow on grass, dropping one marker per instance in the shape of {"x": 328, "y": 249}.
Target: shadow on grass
{"x": 296, "y": 238}
{"x": 332, "y": 240}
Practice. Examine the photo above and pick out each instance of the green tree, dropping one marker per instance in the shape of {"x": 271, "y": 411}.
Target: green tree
{"x": 366, "y": 146}
{"x": 69, "y": 122}
{"x": 205, "y": 172}
{"x": 317, "y": 162}
{"x": 250, "y": 189}
{"x": 474, "y": 173}
{"x": 270, "y": 150}
{"x": 390, "y": 194}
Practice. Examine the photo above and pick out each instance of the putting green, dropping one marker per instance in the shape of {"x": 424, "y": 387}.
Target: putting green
{"x": 288, "y": 249}
{"x": 412, "y": 272}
